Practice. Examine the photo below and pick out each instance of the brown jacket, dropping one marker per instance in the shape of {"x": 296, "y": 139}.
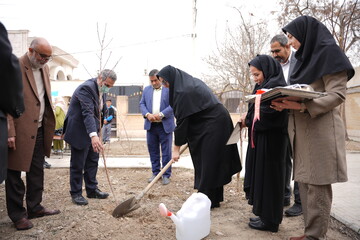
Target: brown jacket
{"x": 25, "y": 127}
{"x": 319, "y": 135}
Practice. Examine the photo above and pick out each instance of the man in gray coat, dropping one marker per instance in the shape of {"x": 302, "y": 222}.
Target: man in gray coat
{"x": 281, "y": 51}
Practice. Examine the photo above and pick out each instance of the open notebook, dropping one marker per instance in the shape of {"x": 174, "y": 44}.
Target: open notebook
{"x": 302, "y": 91}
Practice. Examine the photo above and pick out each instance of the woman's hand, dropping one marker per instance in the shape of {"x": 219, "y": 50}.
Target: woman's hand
{"x": 242, "y": 120}
{"x": 280, "y": 104}
{"x": 176, "y": 153}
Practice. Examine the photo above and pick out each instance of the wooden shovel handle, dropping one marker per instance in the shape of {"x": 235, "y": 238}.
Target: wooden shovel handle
{"x": 163, "y": 170}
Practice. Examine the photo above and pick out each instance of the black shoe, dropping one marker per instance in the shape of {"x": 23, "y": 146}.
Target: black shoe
{"x": 97, "y": 194}
{"x": 47, "y": 165}
{"x": 79, "y": 199}
{"x": 254, "y": 219}
{"x": 259, "y": 225}
{"x": 294, "y": 211}
{"x": 215, "y": 205}
{"x": 286, "y": 202}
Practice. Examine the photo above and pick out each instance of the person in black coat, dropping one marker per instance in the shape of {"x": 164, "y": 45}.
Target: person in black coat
{"x": 82, "y": 130}
{"x": 205, "y": 125}
{"x": 264, "y": 181}
{"x": 11, "y": 94}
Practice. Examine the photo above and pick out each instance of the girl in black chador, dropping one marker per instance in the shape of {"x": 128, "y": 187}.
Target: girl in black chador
{"x": 268, "y": 140}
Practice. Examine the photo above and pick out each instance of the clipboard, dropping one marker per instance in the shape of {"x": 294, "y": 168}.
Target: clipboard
{"x": 235, "y": 135}
{"x": 298, "y": 91}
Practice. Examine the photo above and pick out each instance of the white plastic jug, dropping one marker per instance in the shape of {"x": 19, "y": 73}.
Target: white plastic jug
{"x": 193, "y": 219}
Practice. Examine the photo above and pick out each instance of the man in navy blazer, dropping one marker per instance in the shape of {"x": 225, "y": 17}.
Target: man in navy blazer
{"x": 159, "y": 123}
{"x": 82, "y": 129}
{"x": 281, "y": 51}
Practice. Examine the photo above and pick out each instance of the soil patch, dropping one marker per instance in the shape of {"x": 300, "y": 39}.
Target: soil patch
{"x": 95, "y": 221}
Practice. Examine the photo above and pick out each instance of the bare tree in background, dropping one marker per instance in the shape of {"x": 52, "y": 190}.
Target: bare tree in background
{"x": 230, "y": 60}
{"x": 342, "y": 18}
{"x": 104, "y": 45}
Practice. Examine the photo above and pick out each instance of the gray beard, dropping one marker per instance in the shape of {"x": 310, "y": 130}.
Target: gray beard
{"x": 35, "y": 64}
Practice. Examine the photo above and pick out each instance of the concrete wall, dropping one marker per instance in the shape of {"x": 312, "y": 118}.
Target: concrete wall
{"x": 352, "y": 111}
{"x": 18, "y": 40}
{"x": 352, "y": 106}
{"x": 128, "y": 125}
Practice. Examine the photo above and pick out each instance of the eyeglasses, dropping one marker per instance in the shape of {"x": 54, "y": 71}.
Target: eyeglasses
{"x": 43, "y": 56}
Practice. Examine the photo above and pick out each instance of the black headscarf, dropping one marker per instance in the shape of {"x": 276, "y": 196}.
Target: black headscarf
{"x": 318, "y": 54}
{"x": 271, "y": 68}
{"x": 273, "y": 77}
{"x": 187, "y": 95}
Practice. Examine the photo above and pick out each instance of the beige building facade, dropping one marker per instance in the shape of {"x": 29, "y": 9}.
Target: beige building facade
{"x": 352, "y": 106}
{"x": 61, "y": 67}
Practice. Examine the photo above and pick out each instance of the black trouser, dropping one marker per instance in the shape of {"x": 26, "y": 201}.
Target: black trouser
{"x": 288, "y": 171}
{"x": 83, "y": 164}
{"x": 216, "y": 195}
{"x": 15, "y": 187}
{"x": 3, "y": 146}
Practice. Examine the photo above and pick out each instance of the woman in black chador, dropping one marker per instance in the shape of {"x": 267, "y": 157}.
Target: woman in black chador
{"x": 268, "y": 140}
{"x": 205, "y": 124}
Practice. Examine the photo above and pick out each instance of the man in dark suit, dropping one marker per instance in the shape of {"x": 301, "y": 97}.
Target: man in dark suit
{"x": 159, "y": 123}
{"x": 81, "y": 131}
{"x": 30, "y": 138}
{"x": 11, "y": 94}
{"x": 281, "y": 51}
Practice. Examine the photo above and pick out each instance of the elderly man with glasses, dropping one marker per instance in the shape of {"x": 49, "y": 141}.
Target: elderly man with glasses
{"x": 29, "y": 139}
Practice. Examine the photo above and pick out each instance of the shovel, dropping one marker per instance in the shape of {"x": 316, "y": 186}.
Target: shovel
{"x": 132, "y": 203}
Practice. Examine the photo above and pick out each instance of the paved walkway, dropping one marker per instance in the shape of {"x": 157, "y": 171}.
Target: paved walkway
{"x": 346, "y": 196}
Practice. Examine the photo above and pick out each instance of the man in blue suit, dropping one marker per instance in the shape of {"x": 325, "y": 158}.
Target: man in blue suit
{"x": 281, "y": 51}
{"x": 81, "y": 129}
{"x": 159, "y": 123}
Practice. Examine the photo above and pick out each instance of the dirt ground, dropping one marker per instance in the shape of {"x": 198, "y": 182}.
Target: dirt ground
{"x": 95, "y": 221}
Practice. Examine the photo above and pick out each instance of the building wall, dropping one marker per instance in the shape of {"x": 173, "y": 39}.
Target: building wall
{"x": 352, "y": 111}
{"x": 64, "y": 62}
{"x": 352, "y": 106}
{"x": 18, "y": 40}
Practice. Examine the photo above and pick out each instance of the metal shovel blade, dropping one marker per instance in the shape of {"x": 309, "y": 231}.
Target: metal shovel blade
{"x": 125, "y": 207}
{"x": 134, "y": 203}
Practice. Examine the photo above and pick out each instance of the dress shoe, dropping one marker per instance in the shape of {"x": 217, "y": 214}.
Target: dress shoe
{"x": 215, "y": 205}
{"x": 298, "y": 238}
{"x": 165, "y": 180}
{"x": 254, "y": 219}
{"x": 23, "y": 224}
{"x": 47, "y": 165}
{"x": 42, "y": 212}
{"x": 79, "y": 199}
{"x": 295, "y": 210}
{"x": 286, "y": 202}
{"x": 259, "y": 225}
{"x": 97, "y": 194}
{"x": 151, "y": 178}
